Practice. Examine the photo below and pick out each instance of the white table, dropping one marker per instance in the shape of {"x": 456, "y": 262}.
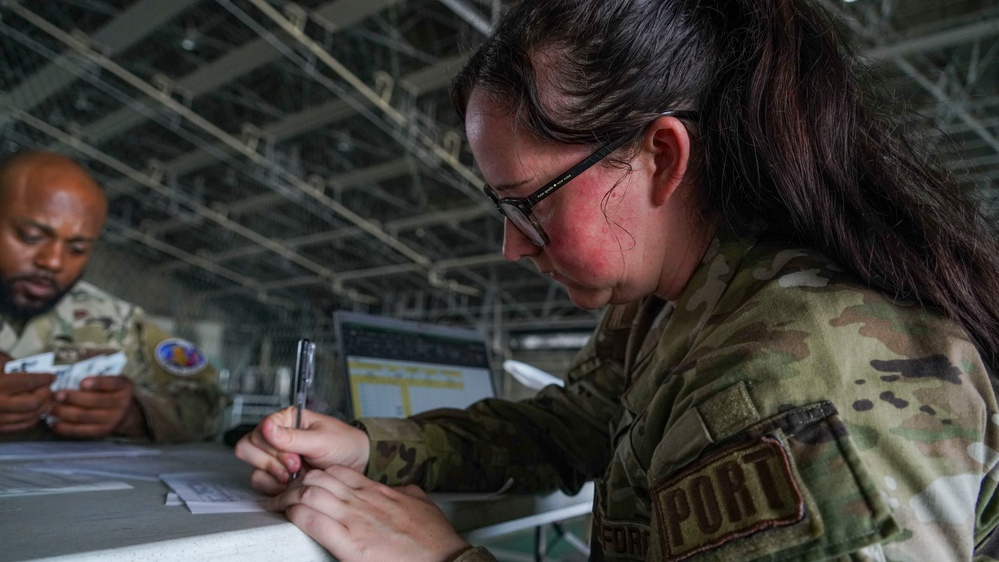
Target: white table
{"x": 135, "y": 524}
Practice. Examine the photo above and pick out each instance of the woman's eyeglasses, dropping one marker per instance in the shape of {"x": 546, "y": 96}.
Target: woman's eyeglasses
{"x": 518, "y": 209}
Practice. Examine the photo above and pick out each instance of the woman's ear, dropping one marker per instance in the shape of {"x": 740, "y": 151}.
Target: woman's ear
{"x": 668, "y": 141}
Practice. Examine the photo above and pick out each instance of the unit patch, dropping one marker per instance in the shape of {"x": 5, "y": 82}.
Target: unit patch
{"x": 733, "y": 493}
{"x": 179, "y": 357}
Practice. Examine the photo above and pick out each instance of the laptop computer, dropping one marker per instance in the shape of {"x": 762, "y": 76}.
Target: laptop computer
{"x": 388, "y": 367}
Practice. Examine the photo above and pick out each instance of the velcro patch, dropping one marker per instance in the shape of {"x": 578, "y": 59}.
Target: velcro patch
{"x": 730, "y": 494}
{"x": 179, "y": 357}
{"x": 66, "y": 355}
{"x": 620, "y": 538}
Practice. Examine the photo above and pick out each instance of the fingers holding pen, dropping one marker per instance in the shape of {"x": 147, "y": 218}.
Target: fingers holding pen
{"x": 322, "y": 440}
{"x": 285, "y": 442}
{"x": 276, "y": 450}
{"x": 265, "y": 449}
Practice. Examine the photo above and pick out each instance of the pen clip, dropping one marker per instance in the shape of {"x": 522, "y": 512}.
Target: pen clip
{"x": 305, "y": 365}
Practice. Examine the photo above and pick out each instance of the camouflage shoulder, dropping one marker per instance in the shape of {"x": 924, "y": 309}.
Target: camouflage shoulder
{"x": 84, "y": 296}
{"x": 83, "y": 291}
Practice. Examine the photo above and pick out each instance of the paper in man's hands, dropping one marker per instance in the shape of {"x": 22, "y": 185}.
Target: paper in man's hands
{"x": 35, "y": 364}
{"x": 68, "y": 377}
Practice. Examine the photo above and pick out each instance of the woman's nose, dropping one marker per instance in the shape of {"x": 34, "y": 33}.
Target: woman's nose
{"x": 516, "y": 244}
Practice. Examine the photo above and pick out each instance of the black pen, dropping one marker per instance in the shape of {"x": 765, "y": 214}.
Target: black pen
{"x": 305, "y": 362}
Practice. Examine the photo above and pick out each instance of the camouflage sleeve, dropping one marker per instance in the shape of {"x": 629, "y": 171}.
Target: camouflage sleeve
{"x": 477, "y": 554}
{"x": 180, "y": 402}
{"x": 560, "y": 437}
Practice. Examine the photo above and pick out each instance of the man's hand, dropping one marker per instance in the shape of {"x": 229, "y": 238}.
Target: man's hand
{"x": 24, "y": 398}
{"x": 103, "y": 406}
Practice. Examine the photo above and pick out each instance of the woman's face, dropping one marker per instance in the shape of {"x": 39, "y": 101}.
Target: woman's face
{"x": 606, "y": 236}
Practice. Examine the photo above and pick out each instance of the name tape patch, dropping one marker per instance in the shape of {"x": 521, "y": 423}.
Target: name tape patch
{"x": 733, "y": 493}
{"x": 621, "y": 538}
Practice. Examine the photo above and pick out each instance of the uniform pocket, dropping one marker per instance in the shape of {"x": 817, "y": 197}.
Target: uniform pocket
{"x": 789, "y": 487}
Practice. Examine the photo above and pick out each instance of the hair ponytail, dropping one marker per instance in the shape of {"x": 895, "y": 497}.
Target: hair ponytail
{"x": 815, "y": 164}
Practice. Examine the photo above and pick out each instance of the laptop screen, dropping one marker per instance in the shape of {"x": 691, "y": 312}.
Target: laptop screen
{"x": 396, "y": 368}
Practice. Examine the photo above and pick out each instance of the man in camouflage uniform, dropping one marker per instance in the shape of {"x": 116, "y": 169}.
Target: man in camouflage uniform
{"x": 51, "y": 213}
{"x": 779, "y": 411}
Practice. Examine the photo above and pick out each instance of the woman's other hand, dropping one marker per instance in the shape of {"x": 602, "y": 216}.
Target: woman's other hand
{"x": 359, "y": 520}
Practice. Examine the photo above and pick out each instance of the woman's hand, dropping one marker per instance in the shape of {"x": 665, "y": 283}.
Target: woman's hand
{"x": 359, "y": 520}
{"x": 276, "y": 450}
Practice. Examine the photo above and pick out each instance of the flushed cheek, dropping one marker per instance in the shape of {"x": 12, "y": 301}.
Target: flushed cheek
{"x": 586, "y": 256}
{"x": 588, "y": 232}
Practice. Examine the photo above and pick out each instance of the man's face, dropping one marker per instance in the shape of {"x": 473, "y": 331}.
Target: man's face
{"x": 50, "y": 217}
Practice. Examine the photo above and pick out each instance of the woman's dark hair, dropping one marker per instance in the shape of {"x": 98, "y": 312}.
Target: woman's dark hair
{"x": 789, "y": 137}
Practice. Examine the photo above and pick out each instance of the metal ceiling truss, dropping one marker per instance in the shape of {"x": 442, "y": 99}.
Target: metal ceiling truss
{"x": 304, "y": 157}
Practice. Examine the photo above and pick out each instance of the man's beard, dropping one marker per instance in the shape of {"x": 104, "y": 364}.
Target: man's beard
{"x": 10, "y": 306}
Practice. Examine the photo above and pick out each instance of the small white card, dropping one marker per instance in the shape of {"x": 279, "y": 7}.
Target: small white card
{"x": 68, "y": 377}
{"x": 99, "y": 365}
{"x": 35, "y": 364}
{"x": 211, "y": 492}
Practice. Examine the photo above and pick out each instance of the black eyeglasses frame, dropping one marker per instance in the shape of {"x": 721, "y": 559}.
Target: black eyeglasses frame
{"x": 524, "y": 205}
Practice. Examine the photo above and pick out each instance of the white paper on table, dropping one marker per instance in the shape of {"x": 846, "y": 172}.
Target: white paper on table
{"x": 44, "y": 450}
{"x": 15, "y": 481}
{"x": 213, "y": 492}
{"x": 146, "y": 468}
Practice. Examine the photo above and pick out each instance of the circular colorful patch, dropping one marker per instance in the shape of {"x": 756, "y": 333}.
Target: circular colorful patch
{"x": 179, "y": 357}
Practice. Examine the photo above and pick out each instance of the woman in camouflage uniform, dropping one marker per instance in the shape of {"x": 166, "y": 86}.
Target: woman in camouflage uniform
{"x": 802, "y": 315}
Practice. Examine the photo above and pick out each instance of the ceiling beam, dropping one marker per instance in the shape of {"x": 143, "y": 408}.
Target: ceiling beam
{"x": 130, "y": 27}
{"x": 935, "y": 41}
{"x": 429, "y": 79}
{"x": 234, "y": 64}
